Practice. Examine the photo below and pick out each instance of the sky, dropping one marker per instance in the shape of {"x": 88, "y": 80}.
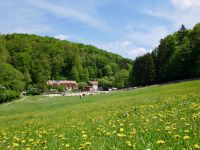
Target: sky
{"x": 129, "y": 28}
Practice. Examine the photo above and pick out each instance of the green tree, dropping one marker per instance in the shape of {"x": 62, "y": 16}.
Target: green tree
{"x": 105, "y": 83}
{"x": 121, "y": 79}
{"x": 107, "y": 70}
{"x": 144, "y": 70}
{"x": 74, "y": 74}
{"x": 10, "y": 78}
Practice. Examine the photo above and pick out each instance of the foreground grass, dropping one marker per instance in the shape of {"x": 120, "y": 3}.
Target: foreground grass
{"x": 160, "y": 117}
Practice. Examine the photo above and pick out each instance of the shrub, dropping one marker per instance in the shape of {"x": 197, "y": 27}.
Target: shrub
{"x": 8, "y": 95}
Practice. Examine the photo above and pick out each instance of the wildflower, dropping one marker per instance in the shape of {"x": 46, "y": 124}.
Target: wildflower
{"x": 121, "y": 129}
{"x": 177, "y": 136}
{"x": 15, "y": 144}
{"x": 81, "y": 146}
{"x": 196, "y": 146}
{"x": 187, "y": 124}
{"x": 129, "y": 143}
{"x": 84, "y": 136}
{"x": 30, "y": 140}
{"x": 167, "y": 128}
{"x": 88, "y": 143}
{"x": 133, "y": 132}
{"x": 83, "y": 132}
{"x": 28, "y": 148}
{"x": 186, "y": 131}
{"x": 67, "y": 145}
{"x": 158, "y": 130}
{"x": 186, "y": 137}
{"x": 23, "y": 141}
{"x": 160, "y": 142}
{"x": 121, "y": 135}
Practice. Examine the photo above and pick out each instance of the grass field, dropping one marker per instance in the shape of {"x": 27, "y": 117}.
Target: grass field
{"x": 159, "y": 117}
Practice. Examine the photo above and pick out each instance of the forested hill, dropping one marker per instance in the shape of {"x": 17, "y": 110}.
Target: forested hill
{"x": 177, "y": 57}
{"x": 31, "y": 60}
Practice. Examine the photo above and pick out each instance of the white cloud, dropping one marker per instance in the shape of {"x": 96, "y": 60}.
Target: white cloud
{"x": 62, "y": 37}
{"x": 124, "y": 48}
{"x": 137, "y": 52}
{"x": 64, "y": 11}
{"x": 186, "y": 4}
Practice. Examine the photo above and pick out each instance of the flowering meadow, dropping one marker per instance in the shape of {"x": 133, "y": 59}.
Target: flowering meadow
{"x": 157, "y": 117}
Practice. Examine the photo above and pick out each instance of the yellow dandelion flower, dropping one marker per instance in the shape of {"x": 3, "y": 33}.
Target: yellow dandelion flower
{"x": 129, "y": 143}
{"x": 196, "y": 146}
{"x": 160, "y": 142}
{"x": 177, "y": 136}
{"x": 67, "y": 145}
{"x": 167, "y": 128}
{"x": 133, "y": 132}
{"x": 186, "y": 131}
{"x": 31, "y": 140}
{"x": 28, "y": 148}
{"x": 88, "y": 143}
{"x": 84, "y": 136}
{"x": 23, "y": 141}
{"x": 121, "y": 129}
{"x": 186, "y": 137}
{"x": 15, "y": 144}
{"x": 187, "y": 124}
{"x": 83, "y": 132}
{"x": 120, "y": 135}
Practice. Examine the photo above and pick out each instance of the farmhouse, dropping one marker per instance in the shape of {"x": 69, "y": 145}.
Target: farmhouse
{"x": 69, "y": 85}
{"x": 92, "y": 86}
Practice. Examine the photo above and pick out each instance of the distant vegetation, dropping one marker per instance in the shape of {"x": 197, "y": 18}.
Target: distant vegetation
{"x": 177, "y": 57}
{"x": 28, "y": 61}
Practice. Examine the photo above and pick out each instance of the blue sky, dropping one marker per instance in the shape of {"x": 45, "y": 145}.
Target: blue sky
{"x": 126, "y": 27}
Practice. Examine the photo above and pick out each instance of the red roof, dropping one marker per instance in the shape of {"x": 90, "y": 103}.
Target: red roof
{"x": 61, "y": 82}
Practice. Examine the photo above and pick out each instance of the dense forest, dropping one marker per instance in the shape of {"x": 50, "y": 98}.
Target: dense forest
{"x": 177, "y": 57}
{"x": 28, "y": 61}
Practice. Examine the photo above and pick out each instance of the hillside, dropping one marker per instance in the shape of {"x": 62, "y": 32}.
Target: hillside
{"x": 159, "y": 117}
{"x": 38, "y": 59}
{"x": 176, "y": 57}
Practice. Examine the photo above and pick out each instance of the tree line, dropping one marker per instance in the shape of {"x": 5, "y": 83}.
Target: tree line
{"x": 177, "y": 57}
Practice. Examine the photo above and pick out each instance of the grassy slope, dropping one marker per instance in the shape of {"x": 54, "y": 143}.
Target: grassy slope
{"x": 43, "y": 113}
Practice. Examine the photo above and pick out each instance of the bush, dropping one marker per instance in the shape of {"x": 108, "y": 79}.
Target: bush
{"x": 8, "y": 95}
{"x": 32, "y": 90}
{"x": 81, "y": 85}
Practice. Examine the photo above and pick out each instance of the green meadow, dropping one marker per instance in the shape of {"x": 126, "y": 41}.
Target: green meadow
{"x": 156, "y": 117}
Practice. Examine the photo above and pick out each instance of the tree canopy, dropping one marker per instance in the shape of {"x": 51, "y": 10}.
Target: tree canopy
{"x": 177, "y": 57}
